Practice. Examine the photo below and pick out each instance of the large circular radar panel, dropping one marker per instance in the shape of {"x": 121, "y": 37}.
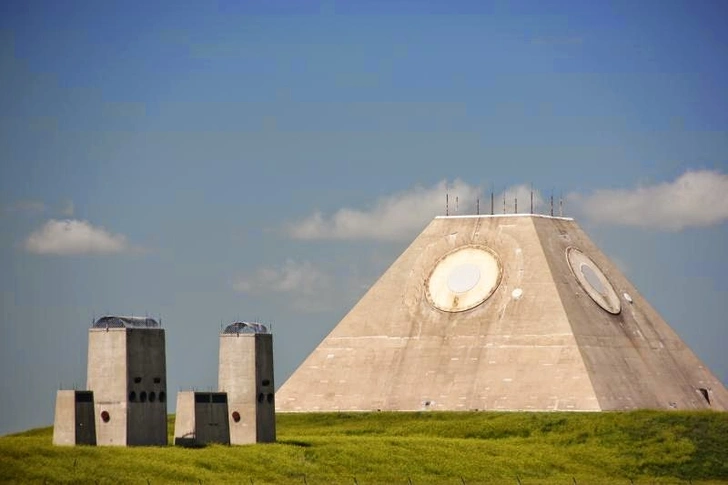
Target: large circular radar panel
{"x": 463, "y": 279}
{"x": 591, "y": 278}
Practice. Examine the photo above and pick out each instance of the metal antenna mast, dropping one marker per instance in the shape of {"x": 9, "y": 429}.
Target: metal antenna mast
{"x": 552, "y": 202}
{"x": 531, "y": 198}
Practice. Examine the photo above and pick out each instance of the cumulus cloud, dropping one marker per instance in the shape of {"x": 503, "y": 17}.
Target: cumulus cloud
{"x": 74, "y": 237}
{"x": 695, "y": 199}
{"x": 391, "y": 218}
{"x": 290, "y": 277}
{"x": 308, "y": 288}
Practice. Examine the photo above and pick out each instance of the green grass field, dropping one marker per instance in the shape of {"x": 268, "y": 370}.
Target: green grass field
{"x": 456, "y": 448}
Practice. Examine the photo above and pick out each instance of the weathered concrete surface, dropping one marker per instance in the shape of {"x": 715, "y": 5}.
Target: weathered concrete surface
{"x": 127, "y": 373}
{"x": 74, "y": 418}
{"x": 635, "y": 360}
{"x": 246, "y": 375}
{"x": 107, "y": 378}
{"x": 146, "y": 361}
{"x": 537, "y": 343}
{"x": 202, "y": 418}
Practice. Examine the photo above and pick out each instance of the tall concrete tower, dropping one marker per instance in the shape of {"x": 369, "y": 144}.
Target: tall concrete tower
{"x": 128, "y": 376}
{"x": 511, "y": 312}
{"x": 246, "y": 375}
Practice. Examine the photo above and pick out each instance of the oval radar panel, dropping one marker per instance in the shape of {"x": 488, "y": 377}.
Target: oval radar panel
{"x": 463, "y": 278}
{"x": 591, "y": 278}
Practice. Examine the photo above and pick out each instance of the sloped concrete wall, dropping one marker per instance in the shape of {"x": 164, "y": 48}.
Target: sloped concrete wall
{"x": 395, "y": 351}
{"x": 539, "y": 342}
{"x": 635, "y": 359}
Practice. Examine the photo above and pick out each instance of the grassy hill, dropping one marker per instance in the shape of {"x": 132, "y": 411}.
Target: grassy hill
{"x": 456, "y": 448}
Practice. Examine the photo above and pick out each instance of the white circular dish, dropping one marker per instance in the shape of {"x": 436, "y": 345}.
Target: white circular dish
{"x": 463, "y": 279}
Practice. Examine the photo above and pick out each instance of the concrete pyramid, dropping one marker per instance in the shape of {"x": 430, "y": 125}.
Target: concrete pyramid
{"x": 511, "y": 312}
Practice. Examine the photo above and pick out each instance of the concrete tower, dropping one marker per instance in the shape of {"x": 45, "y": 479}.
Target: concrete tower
{"x": 246, "y": 375}
{"x": 128, "y": 376}
{"x": 512, "y": 312}
{"x": 74, "y": 418}
{"x": 201, "y": 418}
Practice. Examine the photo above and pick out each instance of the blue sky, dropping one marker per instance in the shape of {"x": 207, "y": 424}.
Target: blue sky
{"x": 209, "y": 161}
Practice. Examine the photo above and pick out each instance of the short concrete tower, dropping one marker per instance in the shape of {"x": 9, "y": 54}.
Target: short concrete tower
{"x": 201, "y": 418}
{"x": 74, "y": 420}
{"x": 246, "y": 375}
{"x": 128, "y": 375}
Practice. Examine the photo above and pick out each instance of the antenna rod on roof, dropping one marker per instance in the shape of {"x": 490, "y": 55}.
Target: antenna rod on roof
{"x": 477, "y": 206}
{"x": 504, "y": 201}
{"x": 457, "y": 203}
{"x": 561, "y": 205}
{"x": 447, "y": 204}
{"x": 531, "y": 198}
{"x": 515, "y": 204}
{"x": 491, "y": 202}
{"x": 552, "y": 203}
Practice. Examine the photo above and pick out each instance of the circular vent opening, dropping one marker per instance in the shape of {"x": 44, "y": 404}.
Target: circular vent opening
{"x": 463, "y": 278}
{"x": 593, "y": 281}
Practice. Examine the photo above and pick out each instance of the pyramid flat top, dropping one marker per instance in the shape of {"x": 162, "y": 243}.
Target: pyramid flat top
{"x": 475, "y": 216}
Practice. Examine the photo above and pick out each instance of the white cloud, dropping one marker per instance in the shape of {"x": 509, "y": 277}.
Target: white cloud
{"x": 308, "y": 288}
{"x": 695, "y": 199}
{"x": 391, "y": 218}
{"x": 291, "y": 277}
{"x": 71, "y": 237}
